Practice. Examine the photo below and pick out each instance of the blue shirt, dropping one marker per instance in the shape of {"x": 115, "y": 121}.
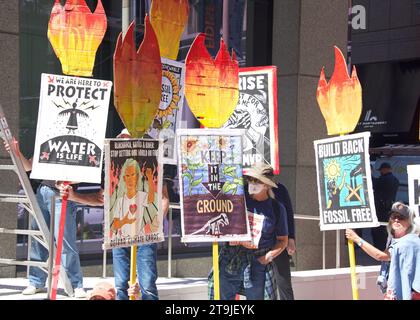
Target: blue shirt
{"x": 275, "y": 221}
{"x": 404, "y": 270}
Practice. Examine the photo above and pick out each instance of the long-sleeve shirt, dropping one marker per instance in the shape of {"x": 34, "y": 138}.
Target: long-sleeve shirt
{"x": 282, "y": 195}
{"x": 404, "y": 270}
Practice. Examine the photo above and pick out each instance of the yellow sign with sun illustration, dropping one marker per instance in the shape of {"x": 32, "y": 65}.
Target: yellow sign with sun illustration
{"x": 344, "y": 183}
{"x": 168, "y": 116}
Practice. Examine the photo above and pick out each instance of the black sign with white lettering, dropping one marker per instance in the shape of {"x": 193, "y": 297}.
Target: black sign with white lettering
{"x": 344, "y": 182}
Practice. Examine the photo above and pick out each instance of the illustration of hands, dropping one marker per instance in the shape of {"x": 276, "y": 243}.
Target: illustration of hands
{"x": 240, "y": 119}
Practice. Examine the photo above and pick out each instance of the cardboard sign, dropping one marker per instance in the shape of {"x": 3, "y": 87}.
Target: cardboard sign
{"x": 71, "y": 128}
{"x": 344, "y": 182}
{"x": 256, "y": 112}
{"x": 133, "y": 192}
{"x": 168, "y": 116}
{"x": 211, "y": 185}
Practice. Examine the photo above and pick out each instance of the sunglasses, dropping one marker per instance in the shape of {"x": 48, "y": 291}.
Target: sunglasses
{"x": 398, "y": 216}
{"x": 253, "y": 180}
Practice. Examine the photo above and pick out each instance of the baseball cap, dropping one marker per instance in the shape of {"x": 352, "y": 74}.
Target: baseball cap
{"x": 401, "y": 209}
{"x": 102, "y": 291}
{"x": 384, "y": 165}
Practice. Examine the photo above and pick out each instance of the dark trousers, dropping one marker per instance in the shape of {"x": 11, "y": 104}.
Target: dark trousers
{"x": 284, "y": 278}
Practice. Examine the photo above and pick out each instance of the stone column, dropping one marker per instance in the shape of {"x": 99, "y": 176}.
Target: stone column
{"x": 304, "y": 33}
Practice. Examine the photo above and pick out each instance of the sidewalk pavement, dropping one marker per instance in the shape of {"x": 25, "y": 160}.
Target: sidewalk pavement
{"x": 168, "y": 288}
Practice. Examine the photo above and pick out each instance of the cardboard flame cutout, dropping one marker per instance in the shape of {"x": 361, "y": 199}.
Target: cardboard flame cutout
{"x": 75, "y": 34}
{"x": 168, "y": 18}
{"x": 340, "y": 100}
{"x": 137, "y": 80}
{"x": 211, "y": 86}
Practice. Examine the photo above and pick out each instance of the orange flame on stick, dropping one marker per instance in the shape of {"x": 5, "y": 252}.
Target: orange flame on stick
{"x": 137, "y": 80}
{"x": 211, "y": 86}
{"x": 340, "y": 100}
{"x": 75, "y": 34}
{"x": 168, "y": 18}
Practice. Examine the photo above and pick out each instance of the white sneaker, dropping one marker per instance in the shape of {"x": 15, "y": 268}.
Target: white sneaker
{"x": 31, "y": 290}
{"x": 80, "y": 293}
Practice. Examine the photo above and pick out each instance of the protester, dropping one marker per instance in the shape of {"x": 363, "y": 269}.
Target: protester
{"x": 403, "y": 282}
{"x": 146, "y": 257}
{"x": 70, "y": 253}
{"x": 284, "y": 277}
{"x": 385, "y": 190}
{"x": 241, "y": 264}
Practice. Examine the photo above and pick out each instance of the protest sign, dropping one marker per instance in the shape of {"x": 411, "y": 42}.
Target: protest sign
{"x": 211, "y": 185}
{"x": 344, "y": 182}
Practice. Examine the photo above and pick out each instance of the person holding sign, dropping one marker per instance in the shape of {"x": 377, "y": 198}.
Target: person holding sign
{"x": 403, "y": 282}
{"x": 246, "y": 263}
{"x": 70, "y": 253}
{"x": 143, "y": 184}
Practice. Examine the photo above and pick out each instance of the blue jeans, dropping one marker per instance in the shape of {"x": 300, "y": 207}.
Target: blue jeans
{"x": 146, "y": 271}
{"x": 231, "y": 282}
{"x": 70, "y": 254}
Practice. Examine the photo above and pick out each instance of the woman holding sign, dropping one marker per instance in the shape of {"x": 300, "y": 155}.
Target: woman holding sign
{"x": 403, "y": 282}
{"x": 246, "y": 263}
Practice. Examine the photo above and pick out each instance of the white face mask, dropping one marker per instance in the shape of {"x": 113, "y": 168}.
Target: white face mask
{"x": 255, "y": 188}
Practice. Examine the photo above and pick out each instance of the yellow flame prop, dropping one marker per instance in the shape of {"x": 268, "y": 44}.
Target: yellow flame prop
{"x": 340, "y": 100}
{"x": 75, "y": 34}
{"x": 168, "y": 18}
{"x": 211, "y": 86}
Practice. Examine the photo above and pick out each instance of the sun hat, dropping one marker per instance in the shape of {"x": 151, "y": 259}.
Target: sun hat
{"x": 102, "y": 291}
{"x": 262, "y": 172}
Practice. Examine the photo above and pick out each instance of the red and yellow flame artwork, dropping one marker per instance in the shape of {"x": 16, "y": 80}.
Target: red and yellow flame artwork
{"x": 340, "y": 99}
{"x": 75, "y": 34}
{"x": 137, "y": 80}
{"x": 211, "y": 86}
{"x": 168, "y": 18}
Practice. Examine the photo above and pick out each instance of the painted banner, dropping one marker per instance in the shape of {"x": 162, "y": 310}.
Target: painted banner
{"x": 133, "y": 189}
{"x": 345, "y": 190}
{"x": 169, "y": 114}
{"x": 211, "y": 185}
{"x": 257, "y": 113}
{"x": 71, "y": 128}
{"x": 414, "y": 187}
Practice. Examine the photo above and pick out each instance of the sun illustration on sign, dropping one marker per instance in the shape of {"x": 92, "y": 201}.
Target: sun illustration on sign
{"x": 332, "y": 170}
{"x": 175, "y": 95}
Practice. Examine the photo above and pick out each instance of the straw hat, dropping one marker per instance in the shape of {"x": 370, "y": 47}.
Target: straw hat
{"x": 262, "y": 172}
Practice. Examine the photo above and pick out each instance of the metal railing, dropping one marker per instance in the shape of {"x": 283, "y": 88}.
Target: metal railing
{"x": 296, "y": 216}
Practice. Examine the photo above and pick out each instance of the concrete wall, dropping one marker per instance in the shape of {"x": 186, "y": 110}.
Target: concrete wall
{"x": 9, "y": 99}
{"x": 304, "y": 33}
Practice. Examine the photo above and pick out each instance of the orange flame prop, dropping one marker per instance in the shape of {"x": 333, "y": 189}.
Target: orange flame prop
{"x": 168, "y": 18}
{"x": 211, "y": 86}
{"x": 75, "y": 34}
{"x": 340, "y": 100}
{"x": 137, "y": 80}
